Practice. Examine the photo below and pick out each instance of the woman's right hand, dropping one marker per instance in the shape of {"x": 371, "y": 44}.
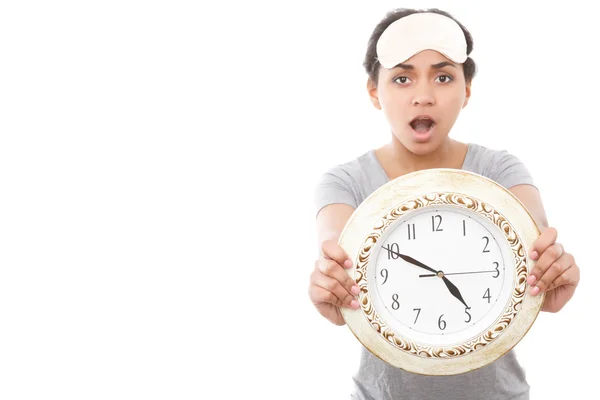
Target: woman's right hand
{"x": 330, "y": 285}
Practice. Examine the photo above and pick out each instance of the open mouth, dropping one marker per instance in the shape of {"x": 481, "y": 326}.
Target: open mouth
{"x": 422, "y": 124}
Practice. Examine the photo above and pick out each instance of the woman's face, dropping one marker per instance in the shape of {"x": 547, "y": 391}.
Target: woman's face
{"x": 421, "y": 99}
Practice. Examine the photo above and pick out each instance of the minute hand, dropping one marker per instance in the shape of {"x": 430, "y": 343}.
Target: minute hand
{"x": 411, "y": 260}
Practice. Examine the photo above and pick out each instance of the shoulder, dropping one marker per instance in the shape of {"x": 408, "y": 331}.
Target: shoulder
{"x": 350, "y": 170}
{"x": 344, "y": 182}
{"x": 500, "y": 165}
{"x": 483, "y": 155}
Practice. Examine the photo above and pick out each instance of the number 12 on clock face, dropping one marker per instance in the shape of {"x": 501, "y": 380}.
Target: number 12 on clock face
{"x": 436, "y": 222}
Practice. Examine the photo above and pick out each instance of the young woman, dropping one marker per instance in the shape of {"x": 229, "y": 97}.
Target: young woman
{"x": 419, "y": 75}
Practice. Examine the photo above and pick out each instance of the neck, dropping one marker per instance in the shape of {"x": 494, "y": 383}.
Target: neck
{"x": 397, "y": 160}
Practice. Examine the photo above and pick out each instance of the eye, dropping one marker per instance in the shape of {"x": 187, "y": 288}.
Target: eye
{"x": 403, "y": 80}
{"x": 443, "y": 79}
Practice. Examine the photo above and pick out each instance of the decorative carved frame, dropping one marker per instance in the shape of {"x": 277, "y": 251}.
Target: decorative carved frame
{"x": 456, "y": 188}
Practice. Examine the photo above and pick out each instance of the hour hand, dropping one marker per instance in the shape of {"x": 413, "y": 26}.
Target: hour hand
{"x": 454, "y": 290}
{"x": 411, "y": 260}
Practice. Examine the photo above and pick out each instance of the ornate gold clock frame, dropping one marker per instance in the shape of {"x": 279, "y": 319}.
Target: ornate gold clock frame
{"x": 416, "y": 191}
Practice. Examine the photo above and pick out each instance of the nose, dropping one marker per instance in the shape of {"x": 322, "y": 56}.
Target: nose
{"x": 423, "y": 96}
{"x": 423, "y": 101}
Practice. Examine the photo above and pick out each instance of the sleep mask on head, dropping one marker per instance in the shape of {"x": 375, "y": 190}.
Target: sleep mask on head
{"x": 414, "y": 33}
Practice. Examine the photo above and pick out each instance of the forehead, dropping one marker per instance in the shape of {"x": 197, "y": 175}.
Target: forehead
{"x": 426, "y": 59}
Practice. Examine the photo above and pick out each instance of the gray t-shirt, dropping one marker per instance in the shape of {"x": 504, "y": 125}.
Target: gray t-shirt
{"x": 351, "y": 183}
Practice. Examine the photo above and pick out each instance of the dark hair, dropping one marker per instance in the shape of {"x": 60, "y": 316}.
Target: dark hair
{"x": 371, "y": 63}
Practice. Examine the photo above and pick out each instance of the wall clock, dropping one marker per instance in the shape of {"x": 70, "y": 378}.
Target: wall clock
{"x": 440, "y": 257}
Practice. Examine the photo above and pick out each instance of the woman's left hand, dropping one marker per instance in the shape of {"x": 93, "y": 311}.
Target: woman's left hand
{"x": 555, "y": 271}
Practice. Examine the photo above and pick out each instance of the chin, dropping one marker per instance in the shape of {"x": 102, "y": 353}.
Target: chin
{"x": 421, "y": 149}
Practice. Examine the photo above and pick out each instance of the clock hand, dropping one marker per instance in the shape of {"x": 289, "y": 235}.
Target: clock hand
{"x": 456, "y": 273}
{"x": 454, "y": 290}
{"x": 411, "y": 260}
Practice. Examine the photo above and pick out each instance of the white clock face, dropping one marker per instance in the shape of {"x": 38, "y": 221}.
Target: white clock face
{"x": 441, "y": 275}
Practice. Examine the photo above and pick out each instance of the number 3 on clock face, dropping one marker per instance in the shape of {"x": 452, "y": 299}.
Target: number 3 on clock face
{"x": 442, "y": 275}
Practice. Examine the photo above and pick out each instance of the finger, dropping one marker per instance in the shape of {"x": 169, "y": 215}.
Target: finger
{"x": 329, "y": 290}
{"x": 333, "y": 270}
{"x": 568, "y": 278}
{"x": 332, "y": 250}
{"x": 546, "y": 260}
{"x": 318, "y": 295}
{"x": 547, "y": 238}
{"x": 555, "y": 270}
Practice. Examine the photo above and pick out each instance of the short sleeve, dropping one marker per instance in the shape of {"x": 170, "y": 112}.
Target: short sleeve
{"x": 334, "y": 186}
{"x": 508, "y": 170}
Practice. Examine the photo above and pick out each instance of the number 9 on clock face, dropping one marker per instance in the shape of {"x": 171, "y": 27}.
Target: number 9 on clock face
{"x": 441, "y": 275}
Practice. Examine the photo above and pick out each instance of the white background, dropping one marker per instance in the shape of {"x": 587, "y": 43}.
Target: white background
{"x": 157, "y": 166}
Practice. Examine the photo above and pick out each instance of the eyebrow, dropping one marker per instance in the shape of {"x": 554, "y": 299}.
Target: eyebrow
{"x": 435, "y": 66}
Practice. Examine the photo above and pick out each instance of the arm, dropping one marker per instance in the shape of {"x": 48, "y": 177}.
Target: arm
{"x": 330, "y": 286}
{"x": 555, "y": 271}
{"x": 530, "y": 197}
{"x": 331, "y": 221}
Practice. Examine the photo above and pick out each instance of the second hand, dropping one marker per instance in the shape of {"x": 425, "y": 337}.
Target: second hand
{"x": 456, "y": 273}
